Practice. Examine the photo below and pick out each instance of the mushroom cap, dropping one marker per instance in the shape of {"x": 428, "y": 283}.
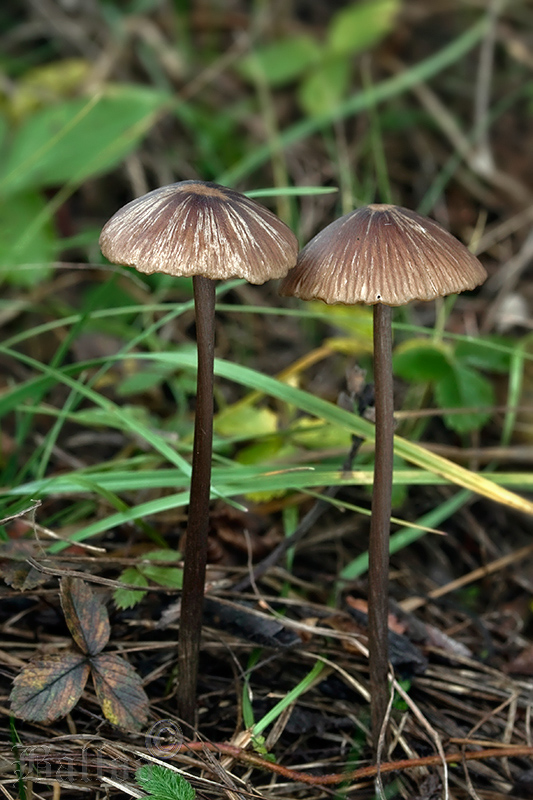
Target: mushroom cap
{"x": 382, "y": 254}
{"x": 199, "y": 228}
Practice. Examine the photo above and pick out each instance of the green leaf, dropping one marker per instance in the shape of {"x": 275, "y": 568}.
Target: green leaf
{"x": 465, "y": 388}
{"x": 422, "y": 360}
{"x": 282, "y": 61}
{"x": 486, "y": 353}
{"x": 243, "y": 420}
{"x": 316, "y": 434}
{"x": 77, "y": 138}
{"x": 163, "y": 555}
{"x": 171, "y": 577}
{"x": 19, "y": 249}
{"x": 163, "y": 783}
{"x": 361, "y": 25}
{"x": 324, "y": 89}
{"x": 128, "y": 598}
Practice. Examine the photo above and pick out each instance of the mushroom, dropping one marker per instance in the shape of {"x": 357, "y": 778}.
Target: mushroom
{"x": 382, "y": 255}
{"x": 209, "y": 232}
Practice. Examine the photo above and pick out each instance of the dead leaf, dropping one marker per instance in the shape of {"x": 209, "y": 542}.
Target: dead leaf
{"x": 119, "y": 691}
{"x": 14, "y": 568}
{"x": 85, "y": 615}
{"x": 49, "y": 689}
{"x": 361, "y": 605}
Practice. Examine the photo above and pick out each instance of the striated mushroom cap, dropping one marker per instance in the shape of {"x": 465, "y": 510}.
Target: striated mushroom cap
{"x": 198, "y": 228}
{"x": 382, "y": 254}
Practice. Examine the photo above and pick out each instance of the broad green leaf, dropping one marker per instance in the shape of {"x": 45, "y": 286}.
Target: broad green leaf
{"x": 163, "y": 783}
{"x": 315, "y": 434}
{"x": 486, "y": 353}
{"x": 281, "y": 61}
{"x": 77, "y": 138}
{"x": 25, "y": 259}
{"x": 245, "y": 420}
{"x": 361, "y": 25}
{"x": 48, "y": 689}
{"x": 171, "y": 577}
{"x": 465, "y": 388}
{"x": 128, "y": 598}
{"x": 422, "y": 360}
{"x": 263, "y": 450}
{"x": 324, "y": 88}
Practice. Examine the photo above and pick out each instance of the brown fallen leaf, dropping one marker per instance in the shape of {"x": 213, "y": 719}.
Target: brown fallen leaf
{"x": 361, "y": 605}
{"x": 14, "y": 568}
{"x": 119, "y": 691}
{"x": 85, "y": 615}
{"x": 48, "y": 689}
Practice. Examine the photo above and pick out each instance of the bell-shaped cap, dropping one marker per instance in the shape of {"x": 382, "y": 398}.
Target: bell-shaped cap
{"x": 198, "y": 228}
{"x": 382, "y": 254}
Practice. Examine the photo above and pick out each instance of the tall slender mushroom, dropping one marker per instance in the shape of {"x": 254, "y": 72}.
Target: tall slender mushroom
{"x": 382, "y": 255}
{"x": 209, "y": 232}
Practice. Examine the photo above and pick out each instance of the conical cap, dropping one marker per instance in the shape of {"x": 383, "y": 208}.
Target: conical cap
{"x": 382, "y": 254}
{"x": 197, "y": 228}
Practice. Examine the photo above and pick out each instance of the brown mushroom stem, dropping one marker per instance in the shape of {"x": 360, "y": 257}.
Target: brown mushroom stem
{"x": 378, "y": 553}
{"x": 195, "y": 555}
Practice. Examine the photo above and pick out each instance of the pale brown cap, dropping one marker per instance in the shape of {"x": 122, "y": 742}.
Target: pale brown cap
{"x": 197, "y": 228}
{"x": 382, "y": 254}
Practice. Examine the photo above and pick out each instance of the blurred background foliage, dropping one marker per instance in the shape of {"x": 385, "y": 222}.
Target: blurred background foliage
{"x": 424, "y": 104}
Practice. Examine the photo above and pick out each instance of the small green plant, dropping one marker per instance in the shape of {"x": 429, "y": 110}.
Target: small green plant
{"x": 169, "y": 576}
{"x": 163, "y": 783}
{"x": 454, "y": 372}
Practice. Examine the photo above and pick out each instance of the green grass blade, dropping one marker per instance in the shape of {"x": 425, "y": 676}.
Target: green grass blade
{"x": 410, "y": 451}
{"x": 305, "y": 684}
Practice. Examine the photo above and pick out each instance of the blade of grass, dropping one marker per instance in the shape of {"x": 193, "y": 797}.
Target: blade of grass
{"x": 245, "y": 480}
{"x": 407, "y": 535}
{"x": 410, "y": 451}
{"x": 302, "y": 687}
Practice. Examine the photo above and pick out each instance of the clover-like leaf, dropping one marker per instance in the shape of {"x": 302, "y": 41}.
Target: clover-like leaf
{"x": 119, "y": 691}
{"x": 85, "y": 615}
{"x": 48, "y": 689}
{"x": 128, "y": 598}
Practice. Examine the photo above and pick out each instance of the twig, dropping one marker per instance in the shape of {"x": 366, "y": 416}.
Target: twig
{"x": 363, "y": 772}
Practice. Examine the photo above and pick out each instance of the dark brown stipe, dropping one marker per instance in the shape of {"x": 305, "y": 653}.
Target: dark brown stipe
{"x": 378, "y": 551}
{"x": 195, "y": 556}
